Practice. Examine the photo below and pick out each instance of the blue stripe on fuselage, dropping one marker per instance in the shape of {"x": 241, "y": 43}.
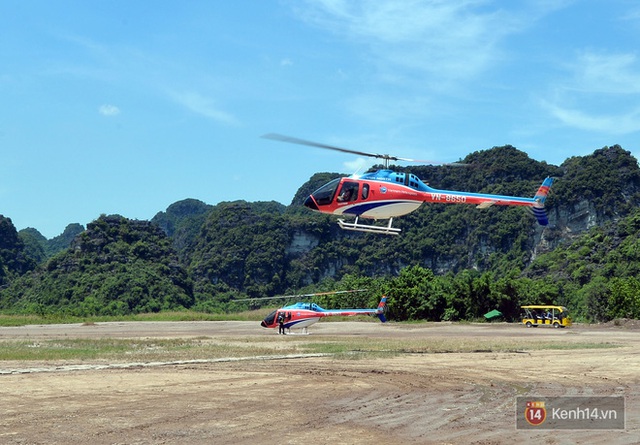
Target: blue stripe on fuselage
{"x": 359, "y": 209}
{"x": 292, "y": 324}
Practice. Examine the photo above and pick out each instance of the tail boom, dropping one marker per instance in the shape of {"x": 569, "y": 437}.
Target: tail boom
{"x": 483, "y": 201}
{"x": 378, "y": 312}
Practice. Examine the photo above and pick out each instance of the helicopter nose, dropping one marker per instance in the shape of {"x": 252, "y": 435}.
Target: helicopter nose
{"x": 311, "y": 203}
{"x": 263, "y": 324}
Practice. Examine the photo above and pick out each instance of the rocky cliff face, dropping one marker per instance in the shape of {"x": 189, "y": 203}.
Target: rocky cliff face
{"x": 301, "y": 243}
{"x": 565, "y": 224}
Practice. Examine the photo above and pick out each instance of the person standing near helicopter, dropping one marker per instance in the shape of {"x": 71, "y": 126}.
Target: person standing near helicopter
{"x": 281, "y": 323}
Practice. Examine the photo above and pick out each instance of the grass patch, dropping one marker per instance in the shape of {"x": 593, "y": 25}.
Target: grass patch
{"x": 133, "y": 350}
{"x": 438, "y": 346}
{"x": 7, "y": 320}
{"x": 159, "y": 349}
{"x": 19, "y": 320}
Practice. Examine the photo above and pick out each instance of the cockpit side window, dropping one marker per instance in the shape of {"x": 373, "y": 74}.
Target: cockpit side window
{"x": 365, "y": 191}
{"x": 348, "y": 192}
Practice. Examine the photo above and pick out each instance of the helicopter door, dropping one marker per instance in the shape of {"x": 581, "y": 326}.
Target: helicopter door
{"x": 348, "y": 192}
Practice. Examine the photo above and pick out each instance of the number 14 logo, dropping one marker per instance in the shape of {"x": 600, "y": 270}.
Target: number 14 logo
{"x": 535, "y": 413}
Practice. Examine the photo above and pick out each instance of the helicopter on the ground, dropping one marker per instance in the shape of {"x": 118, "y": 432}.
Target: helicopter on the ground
{"x": 385, "y": 194}
{"x": 302, "y": 315}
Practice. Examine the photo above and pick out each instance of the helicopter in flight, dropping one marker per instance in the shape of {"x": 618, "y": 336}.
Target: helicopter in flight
{"x": 301, "y": 315}
{"x": 385, "y": 194}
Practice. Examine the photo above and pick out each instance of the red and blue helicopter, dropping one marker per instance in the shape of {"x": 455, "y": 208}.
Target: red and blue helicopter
{"x": 386, "y": 194}
{"x": 302, "y": 315}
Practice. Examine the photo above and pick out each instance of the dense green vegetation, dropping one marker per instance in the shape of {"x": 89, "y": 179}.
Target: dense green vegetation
{"x": 41, "y": 249}
{"x": 116, "y": 267}
{"x": 450, "y": 263}
{"x": 14, "y": 258}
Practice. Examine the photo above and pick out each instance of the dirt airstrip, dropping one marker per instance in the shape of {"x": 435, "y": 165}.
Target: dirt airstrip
{"x": 400, "y": 398}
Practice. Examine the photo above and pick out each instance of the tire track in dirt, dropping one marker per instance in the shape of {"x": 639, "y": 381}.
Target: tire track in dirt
{"x": 99, "y": 367}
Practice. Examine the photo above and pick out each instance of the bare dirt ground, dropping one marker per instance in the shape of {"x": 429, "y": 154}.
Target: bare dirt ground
{"x": 427, "y": 398}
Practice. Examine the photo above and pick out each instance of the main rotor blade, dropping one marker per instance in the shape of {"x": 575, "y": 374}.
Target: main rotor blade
{"x": 426, "y": 162}
{"x": 387, "y": 158}
{"x": 292, "y": 140}
{"x": 303, "y": 295}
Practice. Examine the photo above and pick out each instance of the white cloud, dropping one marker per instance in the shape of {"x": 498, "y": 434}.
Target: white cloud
{"x": 441, "y": 39}
{"x": 109, "y": 110}
{"x": 601, "y": 94}
{"x": 618, "y": 124}
{"x": 421, "y": 55}
{"x": 607, "y": 73}
{"x": 204, "y": 106}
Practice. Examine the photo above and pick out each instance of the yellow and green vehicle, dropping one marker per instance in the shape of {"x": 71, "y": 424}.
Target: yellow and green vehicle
{"x": 535, "y": 315}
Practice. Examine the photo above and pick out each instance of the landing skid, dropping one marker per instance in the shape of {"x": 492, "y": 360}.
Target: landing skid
{"x": 302, "y": 332}
{"x": 358, "y": 227}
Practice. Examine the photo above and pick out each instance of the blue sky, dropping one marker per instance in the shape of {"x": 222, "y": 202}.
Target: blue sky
{"x": 127, "y": 107}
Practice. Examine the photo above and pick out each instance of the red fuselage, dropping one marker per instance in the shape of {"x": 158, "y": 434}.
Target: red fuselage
{"x": 386, "y": 194}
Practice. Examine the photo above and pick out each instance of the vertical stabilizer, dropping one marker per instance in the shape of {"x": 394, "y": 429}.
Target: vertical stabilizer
{"x": 540, "y": 197}
{"x": 381, "y": 308}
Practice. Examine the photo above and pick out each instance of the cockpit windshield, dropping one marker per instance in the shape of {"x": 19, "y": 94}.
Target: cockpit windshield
{"x": 269, "y": 319}
{"x": 324, "y": 195}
